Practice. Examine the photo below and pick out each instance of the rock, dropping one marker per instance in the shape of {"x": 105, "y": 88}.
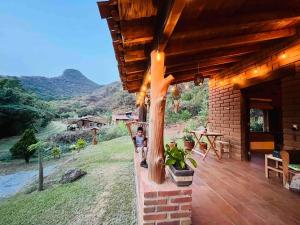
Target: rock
{"x": 72, "y": 175}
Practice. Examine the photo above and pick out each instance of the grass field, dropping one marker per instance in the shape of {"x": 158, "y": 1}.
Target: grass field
{"x": 106, "y": 195}
{"x": 6, "y": 143}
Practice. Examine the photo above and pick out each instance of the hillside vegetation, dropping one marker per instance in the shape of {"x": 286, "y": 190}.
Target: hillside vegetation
{"x": 193, "y": 108}
{"x": 20, "y": 109}
{"x": 71, "y": 83}
{"x": 101, "y": 101}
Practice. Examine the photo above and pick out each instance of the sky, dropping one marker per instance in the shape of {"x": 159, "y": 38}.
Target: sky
{"x": 45, "y": 37}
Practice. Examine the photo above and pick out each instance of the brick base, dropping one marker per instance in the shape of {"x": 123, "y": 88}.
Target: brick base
{"x": 164, "y": 204}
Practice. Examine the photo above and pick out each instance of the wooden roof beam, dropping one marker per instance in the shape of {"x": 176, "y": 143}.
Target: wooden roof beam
{"x": 167, "y": 24}
{"x": 177, "y": 48}
{"x": 207, "y": 55}
{"x": 208, "y": 63}
{"x": 262, "y": 21}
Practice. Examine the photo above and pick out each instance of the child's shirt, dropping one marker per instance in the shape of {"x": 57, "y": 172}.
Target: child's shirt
{"x": 139, "y": 141}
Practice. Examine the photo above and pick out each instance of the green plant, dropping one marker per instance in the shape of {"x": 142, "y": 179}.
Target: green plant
{"x": 188, "y": 137}
{"x": 177, "y": 157}
{"x": 20, "y": 149}
{"x": 114, "y": 131}
{"x": 80, "y": 144}
{"x": 56, "y": 152}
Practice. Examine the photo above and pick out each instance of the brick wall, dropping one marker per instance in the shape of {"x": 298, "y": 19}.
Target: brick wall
{"x": 225, "y": 113}
{"x": 291, "y": 108}
{"x": 167, "y": 207}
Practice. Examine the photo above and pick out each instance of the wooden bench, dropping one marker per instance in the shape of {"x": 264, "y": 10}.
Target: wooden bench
{"x": 277, "y": 168}
{"x": 224, "y": 148}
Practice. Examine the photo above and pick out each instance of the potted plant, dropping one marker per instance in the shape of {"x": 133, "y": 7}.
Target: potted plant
{"x": 188, "y": 141}
{"x": 180, "y": 171}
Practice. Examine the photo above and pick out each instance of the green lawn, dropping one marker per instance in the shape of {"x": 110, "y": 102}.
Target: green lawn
{"x": 52, "y": 128}
{"x": 106, "y": 195}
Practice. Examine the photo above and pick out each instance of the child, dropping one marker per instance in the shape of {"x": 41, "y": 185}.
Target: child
{"x": 140, "y": 142}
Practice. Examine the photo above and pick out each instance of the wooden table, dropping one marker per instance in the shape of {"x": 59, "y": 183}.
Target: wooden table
{"x": 211, "y": 138}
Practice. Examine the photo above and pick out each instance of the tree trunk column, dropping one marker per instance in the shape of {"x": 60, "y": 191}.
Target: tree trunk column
{"x": 159, "y": 88}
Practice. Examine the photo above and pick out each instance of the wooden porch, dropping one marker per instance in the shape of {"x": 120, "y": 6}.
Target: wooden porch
{"x": 237, "y": 192}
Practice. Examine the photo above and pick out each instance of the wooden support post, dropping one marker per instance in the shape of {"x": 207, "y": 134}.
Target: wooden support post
{"x": 159, "y": 88}
{"x": 94, "y": 130}
{"x": 142, "y": 113}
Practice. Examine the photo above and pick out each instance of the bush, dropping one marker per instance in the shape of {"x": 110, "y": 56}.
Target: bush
{"x": 20, "y": 149}
{"x": 182, "y": 115}
{"x": 80, "y": 144}
{"x": 70, "y": 137}
{"x": 113, "y": 131}
{"x": 56, "y": 152}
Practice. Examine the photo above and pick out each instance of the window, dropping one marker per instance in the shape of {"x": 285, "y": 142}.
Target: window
{"x": 259, "y": 120}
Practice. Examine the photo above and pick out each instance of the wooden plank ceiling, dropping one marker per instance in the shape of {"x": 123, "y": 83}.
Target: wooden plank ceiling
{"x": 206, "y": 36}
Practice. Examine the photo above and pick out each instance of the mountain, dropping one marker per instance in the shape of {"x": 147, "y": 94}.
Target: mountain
{"x": 71, "y": 83}
{"x": 103, "y": 100}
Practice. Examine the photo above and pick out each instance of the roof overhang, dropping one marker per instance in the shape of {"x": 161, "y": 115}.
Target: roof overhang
{"x": 208, "y": 37}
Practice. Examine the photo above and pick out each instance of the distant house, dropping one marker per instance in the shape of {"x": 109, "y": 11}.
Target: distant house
{"x": 87, "y": 122}
{"x": 127, "y": 116}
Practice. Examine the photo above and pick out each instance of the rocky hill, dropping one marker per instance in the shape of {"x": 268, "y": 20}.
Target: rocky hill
{"x": 103, "y": 100}
{"x": 71, "y": 83}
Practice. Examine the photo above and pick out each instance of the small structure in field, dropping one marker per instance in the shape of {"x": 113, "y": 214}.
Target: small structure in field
{"x": 87, "y": 122}
{"x": 125, "y": 117}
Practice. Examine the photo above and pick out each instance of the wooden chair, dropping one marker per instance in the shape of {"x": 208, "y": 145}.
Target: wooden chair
{"x": 132, "y": 128}
{"x": 289, "y": 157}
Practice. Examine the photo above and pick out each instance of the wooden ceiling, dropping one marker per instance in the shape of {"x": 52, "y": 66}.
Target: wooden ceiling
{"x": 206, "y": 36}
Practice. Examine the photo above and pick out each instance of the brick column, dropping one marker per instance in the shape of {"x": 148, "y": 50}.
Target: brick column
{"x": 161, "y": 204}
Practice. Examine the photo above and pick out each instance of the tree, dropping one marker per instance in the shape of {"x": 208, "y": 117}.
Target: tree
{"x": 40, "y": 147}
{"x": 20, "y": 149}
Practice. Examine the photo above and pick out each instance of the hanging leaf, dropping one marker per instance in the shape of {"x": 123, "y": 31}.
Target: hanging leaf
{"x": 182, "y": 164}
{"x": 170, "y": 162}
{"x": 194, "y": 163}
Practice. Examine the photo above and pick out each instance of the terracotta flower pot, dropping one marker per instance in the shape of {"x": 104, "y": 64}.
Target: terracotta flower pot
{"x": 189, "y": 145}
{"x": 203, "y": 146}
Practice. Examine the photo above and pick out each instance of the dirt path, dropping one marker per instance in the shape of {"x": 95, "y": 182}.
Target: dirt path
{"x": 10, "y": 184}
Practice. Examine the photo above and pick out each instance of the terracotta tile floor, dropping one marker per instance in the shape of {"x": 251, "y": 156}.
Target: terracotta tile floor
{"x": 235, "y": 192}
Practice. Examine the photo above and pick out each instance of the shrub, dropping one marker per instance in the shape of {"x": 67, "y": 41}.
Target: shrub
{"x": 20, "y": 149}
{"x": 80, "y": 144}
{"x": 70, "y": 137}
{"x": 56, "y": 152}
{"x": 113, "y": 131}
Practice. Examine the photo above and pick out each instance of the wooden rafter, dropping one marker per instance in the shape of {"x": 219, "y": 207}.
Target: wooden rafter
{"x": 197, "y": 46}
